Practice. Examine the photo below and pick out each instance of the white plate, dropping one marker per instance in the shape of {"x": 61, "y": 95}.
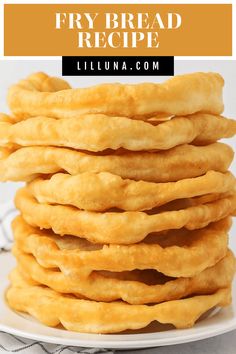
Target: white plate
{"x": 216, "y": 323}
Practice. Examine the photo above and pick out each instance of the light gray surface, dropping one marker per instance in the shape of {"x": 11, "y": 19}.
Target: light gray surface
{"x": 223, "y": 344}
{"x": 11, "y": 71}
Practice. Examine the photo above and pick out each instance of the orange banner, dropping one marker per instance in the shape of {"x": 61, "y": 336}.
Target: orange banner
{"x": 112, "y": 29}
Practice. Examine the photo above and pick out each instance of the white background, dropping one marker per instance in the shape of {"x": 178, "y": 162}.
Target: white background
{"x": 12, "y": 71}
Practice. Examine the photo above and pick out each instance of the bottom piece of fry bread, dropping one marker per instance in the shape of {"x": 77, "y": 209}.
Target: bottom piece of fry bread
{"x": 53, "y": 308}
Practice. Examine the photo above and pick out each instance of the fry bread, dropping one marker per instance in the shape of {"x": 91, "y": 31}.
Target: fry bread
{"x": 179, "y": 95}
{"x": 128, "y": 202}
{"x": 176, "y": 254}
{"x": 102, "y": 191}
{"x": 118, "y": 227}
{"x": 135, "y": 287}
{"x": 98, "y": 132}
{"x": 52, "y": 308}
{"x": 185, "y": 161}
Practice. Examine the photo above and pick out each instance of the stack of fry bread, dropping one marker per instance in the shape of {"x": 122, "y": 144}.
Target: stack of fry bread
{"x": 125, "y": 213}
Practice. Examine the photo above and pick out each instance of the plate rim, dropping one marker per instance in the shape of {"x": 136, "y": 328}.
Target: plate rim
{"x": 145, "y": 343}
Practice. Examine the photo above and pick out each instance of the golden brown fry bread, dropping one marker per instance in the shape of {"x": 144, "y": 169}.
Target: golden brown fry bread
{"x": 52, "y": 308}
{"x": 118, "y": 227}
{"x": 176, "y": 254}
{"x": 181, "y": 162}
{"x": 102, "y": 191}
{"x": 41, "y": 82}
{"x": 179, "y": 95}
{"x": 135, "y": 287}
{"x": 98, "y": 132}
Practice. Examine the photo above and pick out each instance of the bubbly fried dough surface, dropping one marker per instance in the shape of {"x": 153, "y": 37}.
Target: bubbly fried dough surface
{"x": 125, "y": 215}
{"x": 98, "y": 132}
{"x": 136, "y": 287}
{"x": 180, "y": 95}
{"x": 52, "y": 308}
{"x": 181, "y": 162}
{"x": 102, "y": 191}
{"x": 118, "y": 227}
{"x": 176, "y": 254}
